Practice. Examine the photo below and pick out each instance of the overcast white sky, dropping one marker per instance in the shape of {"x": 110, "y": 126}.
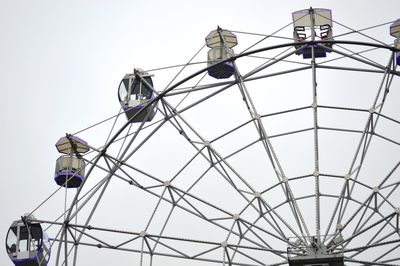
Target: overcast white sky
{"x": 61, "y": 63}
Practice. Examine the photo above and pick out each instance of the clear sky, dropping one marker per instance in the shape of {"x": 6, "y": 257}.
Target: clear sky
{"x": 61, "y": 63}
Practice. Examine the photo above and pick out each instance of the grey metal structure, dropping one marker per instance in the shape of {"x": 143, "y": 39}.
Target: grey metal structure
{"x": 290, "y": 161}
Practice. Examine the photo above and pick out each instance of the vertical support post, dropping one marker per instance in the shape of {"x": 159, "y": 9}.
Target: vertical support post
{"x": 76, "y": 240}
{"x": 142, "y": 250}
{"x": 59, "y": 247}
{"x": 75, "y": 253}
{"x": 65, "y": 245}
{"x": 315, "y": 118}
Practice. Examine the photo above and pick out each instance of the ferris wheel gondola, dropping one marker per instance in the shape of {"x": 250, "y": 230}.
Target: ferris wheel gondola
{"x": 221, "y": 43}
{"x": 27, "y": 244}
{"x": 135, "y": 91}
{"x": 306, "y": 24}
{"x": 70, "y": 167}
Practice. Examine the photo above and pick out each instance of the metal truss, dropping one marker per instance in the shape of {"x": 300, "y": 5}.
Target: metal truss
{"x": 252, "y": 215}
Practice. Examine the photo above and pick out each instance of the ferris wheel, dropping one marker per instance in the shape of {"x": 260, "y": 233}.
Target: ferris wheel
{"x": 279, "y": 149}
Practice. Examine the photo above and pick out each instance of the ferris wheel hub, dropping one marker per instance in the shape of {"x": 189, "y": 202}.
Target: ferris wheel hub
{"x": 317, "y": 253}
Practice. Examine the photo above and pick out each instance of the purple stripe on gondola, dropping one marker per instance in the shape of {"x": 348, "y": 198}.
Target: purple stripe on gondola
{"x": 74, "y": 179}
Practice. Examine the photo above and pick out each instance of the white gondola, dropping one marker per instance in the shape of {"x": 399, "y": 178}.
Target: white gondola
{"x": 221, "y": 42}
{"x": 70, "y": 167}
{"x": 315, "y": 23}
{"x": 135, "y": 91}
{"x": 27, "y": 244}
